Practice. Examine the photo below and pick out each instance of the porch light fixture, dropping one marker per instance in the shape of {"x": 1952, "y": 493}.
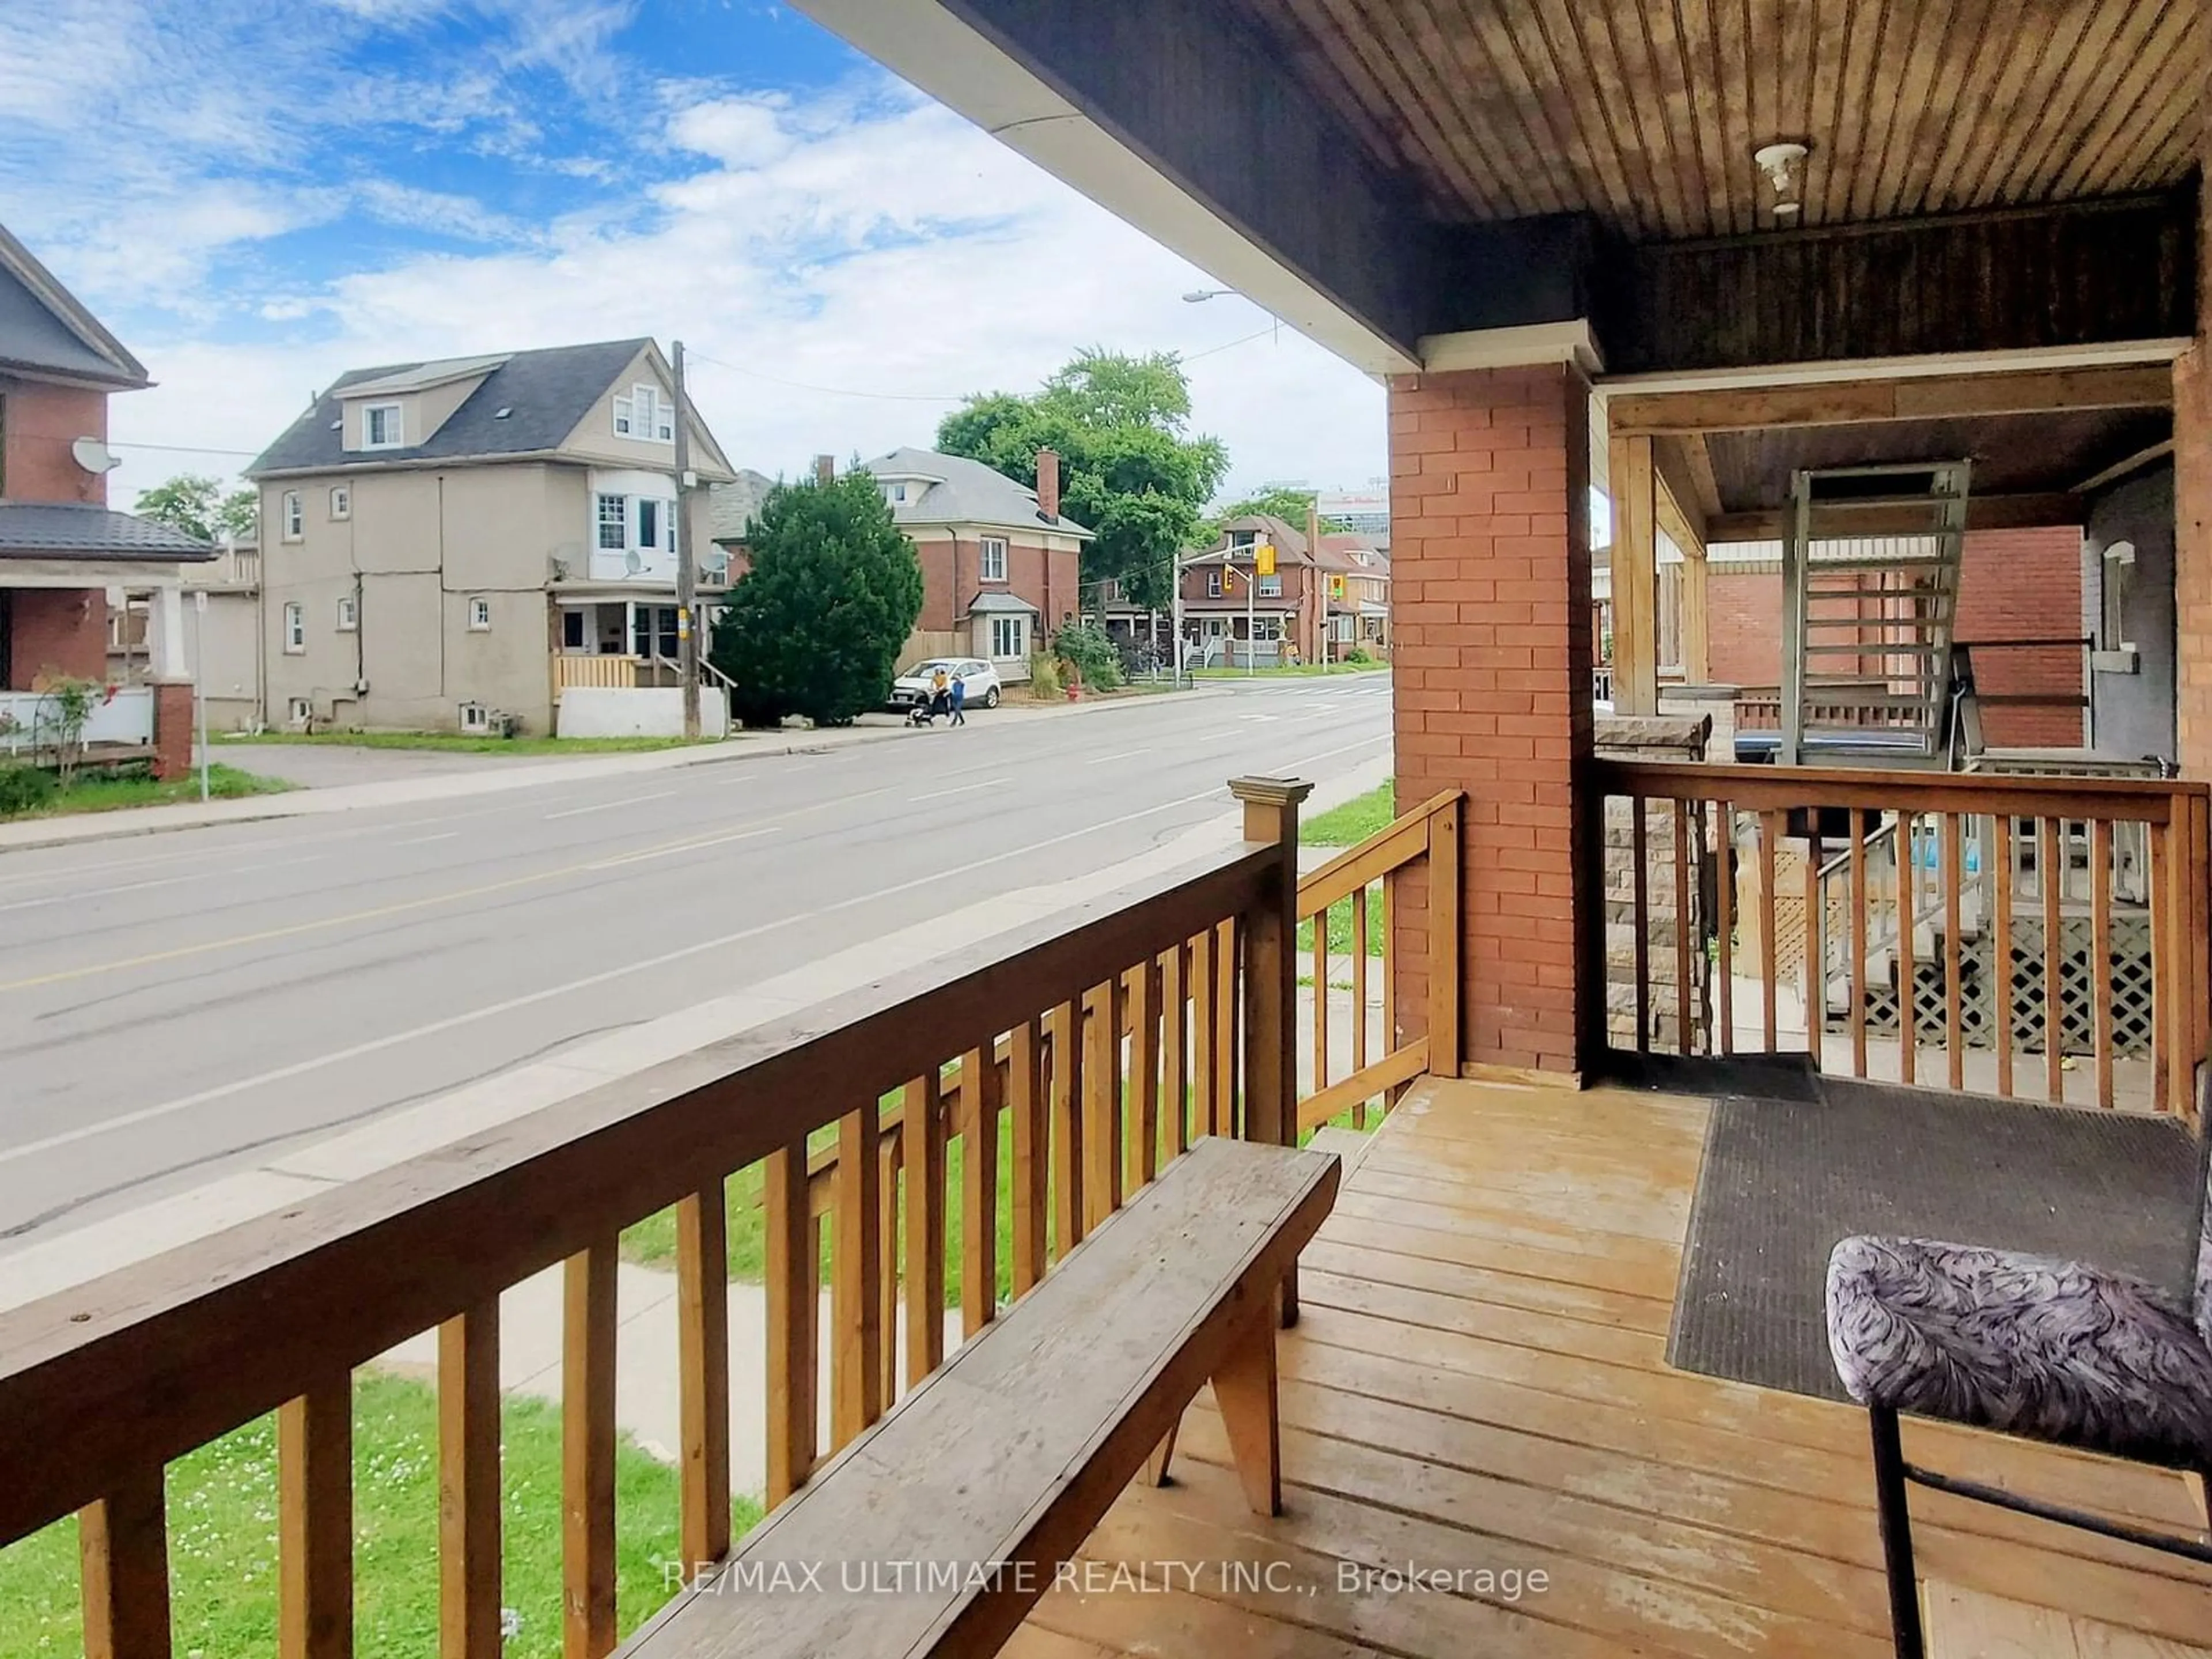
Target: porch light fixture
{"x": 1784, "y": 164}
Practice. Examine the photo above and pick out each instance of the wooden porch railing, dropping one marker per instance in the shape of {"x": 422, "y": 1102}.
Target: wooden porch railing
{"x": 602, "y": 673}
{"x": 100, "y": 1387}
{"x": 1986, "y": 917}
{"x": 1359, "y": 888}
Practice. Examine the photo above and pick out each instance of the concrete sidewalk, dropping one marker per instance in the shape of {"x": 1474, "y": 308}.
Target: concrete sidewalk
{"x": 491, "y": 779}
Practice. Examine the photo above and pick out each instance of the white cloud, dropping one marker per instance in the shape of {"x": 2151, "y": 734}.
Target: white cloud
{"x": 863, "y": 242}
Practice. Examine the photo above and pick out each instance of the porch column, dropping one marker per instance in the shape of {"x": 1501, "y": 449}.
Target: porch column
{"x": 1635, "y": 576}
{"x": 165, "y": 636}
{"x": 1490, "y": 668}
{"x": 1696, "y": 638}
{"x": 2192, "y": 515}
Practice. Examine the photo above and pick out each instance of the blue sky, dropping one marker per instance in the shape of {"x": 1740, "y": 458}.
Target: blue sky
{"x": 258, "y": 194}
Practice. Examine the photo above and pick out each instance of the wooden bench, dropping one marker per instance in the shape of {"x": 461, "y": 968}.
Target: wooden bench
{"x": 936, "y": 1530}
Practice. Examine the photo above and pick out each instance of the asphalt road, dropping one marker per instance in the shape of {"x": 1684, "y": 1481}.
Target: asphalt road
{"x": 170, "y": 1005}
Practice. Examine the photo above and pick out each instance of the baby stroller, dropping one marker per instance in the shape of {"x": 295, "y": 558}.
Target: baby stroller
{"x": 930, "y": 708}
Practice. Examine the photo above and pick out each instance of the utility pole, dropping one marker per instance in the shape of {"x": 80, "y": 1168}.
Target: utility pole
{"x": 687, "y": 562}
{"x": 1174, "y": 615}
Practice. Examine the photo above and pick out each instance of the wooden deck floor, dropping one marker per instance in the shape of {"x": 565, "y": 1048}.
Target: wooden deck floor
{"x": 1478, "y": 1385}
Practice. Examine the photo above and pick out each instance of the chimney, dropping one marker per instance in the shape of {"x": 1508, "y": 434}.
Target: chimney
{"x": 1313, "y": 529}
{"x": 1048, "y": 483}
{"x": 825, "y": 469}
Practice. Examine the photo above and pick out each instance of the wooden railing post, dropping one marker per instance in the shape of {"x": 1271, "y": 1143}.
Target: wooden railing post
{"x": 1271, "y": 983}
{"x": 123, "y": 1542}
{"x": 1444, "y": 999}
{"x": 702, "y": 1343}
{"x": 314, "y": 1522}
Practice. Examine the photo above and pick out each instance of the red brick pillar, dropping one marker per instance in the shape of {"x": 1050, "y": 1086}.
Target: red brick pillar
{"x": 172, "y": 729}
{"x": 1490, "y": 604}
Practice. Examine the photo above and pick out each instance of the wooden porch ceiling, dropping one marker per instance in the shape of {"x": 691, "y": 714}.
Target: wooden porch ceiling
{"x": 2013, "y": 454}
{"x": 1646, "y": 112}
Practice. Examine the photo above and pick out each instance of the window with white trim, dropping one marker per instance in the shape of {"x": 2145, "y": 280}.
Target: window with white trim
{"x": 895, "y": 493}
{"x": 348, "y": 613}
{"x": 341, "y": 503}
{"x": 298, "y": 711}
{"x": 479, "y": 615}
{"x": 645, "y": 414}
{"x": 1213, "y": 584}
{"x": 2119, "y": 569}
{"x": 649, "y": 522}
{"x": 1006, "y": 641}
{"x": 573, "y": 636}
{"x": 995, "y": 559}
{"x": 614, "y": 523}
{"x": 1243, "y": 541}
{"x": 295, "y": 516}
{"x": 380, "y": 426}
{"x": 1271, "y": 587}
{"x": 295, "y": 629}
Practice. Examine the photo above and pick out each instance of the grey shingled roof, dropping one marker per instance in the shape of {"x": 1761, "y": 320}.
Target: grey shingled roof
{"x": 549, "y": 391}
{"x": 962, "y": 491}
{"x": 46, "y": 530}
{"x": 44, "y": 327}
{"x": 730, "y": 507}
{"x": 994, "y": 599}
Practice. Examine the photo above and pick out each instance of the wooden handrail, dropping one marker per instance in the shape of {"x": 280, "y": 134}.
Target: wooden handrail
{"x": 103, "y": 1381}
{"x": 1762, "y": 788}
{"x": 2069, "y": 916}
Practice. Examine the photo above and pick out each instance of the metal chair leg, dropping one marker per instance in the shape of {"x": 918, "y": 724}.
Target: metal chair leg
{"x": 1896, "y": 1534}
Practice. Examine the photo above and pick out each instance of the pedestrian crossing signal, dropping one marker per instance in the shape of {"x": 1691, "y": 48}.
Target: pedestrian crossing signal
{"x": 1336, "y": 587}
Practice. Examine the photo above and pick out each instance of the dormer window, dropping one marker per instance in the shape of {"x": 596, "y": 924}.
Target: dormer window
{"x": 1243, "y": 541}
{"x": 895, "y": 494}
{"x": 380, "y": 426}
{"x": 645, "y": 414}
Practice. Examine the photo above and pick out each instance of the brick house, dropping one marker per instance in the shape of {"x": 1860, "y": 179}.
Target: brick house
{"x": 2013, "y": 586}
{"x": 1357, "y": 581}
{"x": 1002, "y": 566}
{"x": 61, "y": 548}
{"x": 1223, "y": 602}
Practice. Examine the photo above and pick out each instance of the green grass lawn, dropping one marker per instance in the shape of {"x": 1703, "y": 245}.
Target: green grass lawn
{"x": 1353, "y": 822}
{"x": 222, "y": 1539}
{"x": 1299, "y": 671}
{"x": 457, "y": 743}
{"x": 132, "y": 786}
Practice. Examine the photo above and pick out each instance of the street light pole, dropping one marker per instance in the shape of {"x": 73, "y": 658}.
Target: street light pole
{"x": 687, "y": 563}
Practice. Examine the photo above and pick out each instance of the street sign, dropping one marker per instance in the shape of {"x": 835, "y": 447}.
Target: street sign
{"x": 1265, "y": 557}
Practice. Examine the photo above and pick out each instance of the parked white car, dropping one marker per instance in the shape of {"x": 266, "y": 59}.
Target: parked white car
{"x": 912, "y": 686}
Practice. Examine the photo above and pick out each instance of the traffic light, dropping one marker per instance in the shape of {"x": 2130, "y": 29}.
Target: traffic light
{"x": 1264, "y": 558}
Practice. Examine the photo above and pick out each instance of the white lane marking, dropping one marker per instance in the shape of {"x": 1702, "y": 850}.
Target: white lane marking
{"x": 1259, "y": 717}
{"x": 424, "y": 841}
{"x": 377, "y": 1045}
{"x": 963, "y": 789}
{"x": 95, "y": 894}
{"x": 1217, "y": 736}
{"x": 1126, "y": 754}
{"x": 684, "y": 846}
{"x": 610, "y": 805}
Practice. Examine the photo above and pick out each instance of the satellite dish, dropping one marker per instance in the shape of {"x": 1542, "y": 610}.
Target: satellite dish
{"x": 632, "y": 564}
{"x": 94, "y": 456}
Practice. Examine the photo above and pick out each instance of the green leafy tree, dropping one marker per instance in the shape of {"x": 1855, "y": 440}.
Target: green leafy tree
{"x": 1130, "y": 468}
{"x": 194, "y": 504}
{"x": 816, "y": 624}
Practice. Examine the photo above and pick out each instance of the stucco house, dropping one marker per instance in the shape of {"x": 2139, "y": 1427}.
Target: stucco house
{"x": 1002, "y": 566}
{"x": 445, "y": 543}
{"x": 61, "y": 547}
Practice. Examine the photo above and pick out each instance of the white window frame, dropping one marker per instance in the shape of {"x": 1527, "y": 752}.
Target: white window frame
{"x": 991, "y": 561}
{"x": 299, "y": 711}
{"x": 1271, "y": 587}
{"x": 618, "y": 521}
{"x": 580, "y": 621}
{"x": 294, "y": 515}
{"x": 646, "y": 416}
{"x": 479, "y": 615}
{"x": 475, "y": 718}
{"x": 644, "y": 505}
{"x": 1010, "y": 632}
{"x": 2118, "y": 576}
{"x": 295, "y": 629}
{"x": 341, "y": 503}
{"x": 348, "y": 613}
{"x": 1243, "y": 541}
{"x": 1213, "y": 584}
{"x": 895, "y": 494}
{"x": 397, "y": 440}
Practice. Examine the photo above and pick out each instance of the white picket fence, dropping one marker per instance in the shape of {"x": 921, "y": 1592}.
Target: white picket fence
{"x": 30, "y": 720}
